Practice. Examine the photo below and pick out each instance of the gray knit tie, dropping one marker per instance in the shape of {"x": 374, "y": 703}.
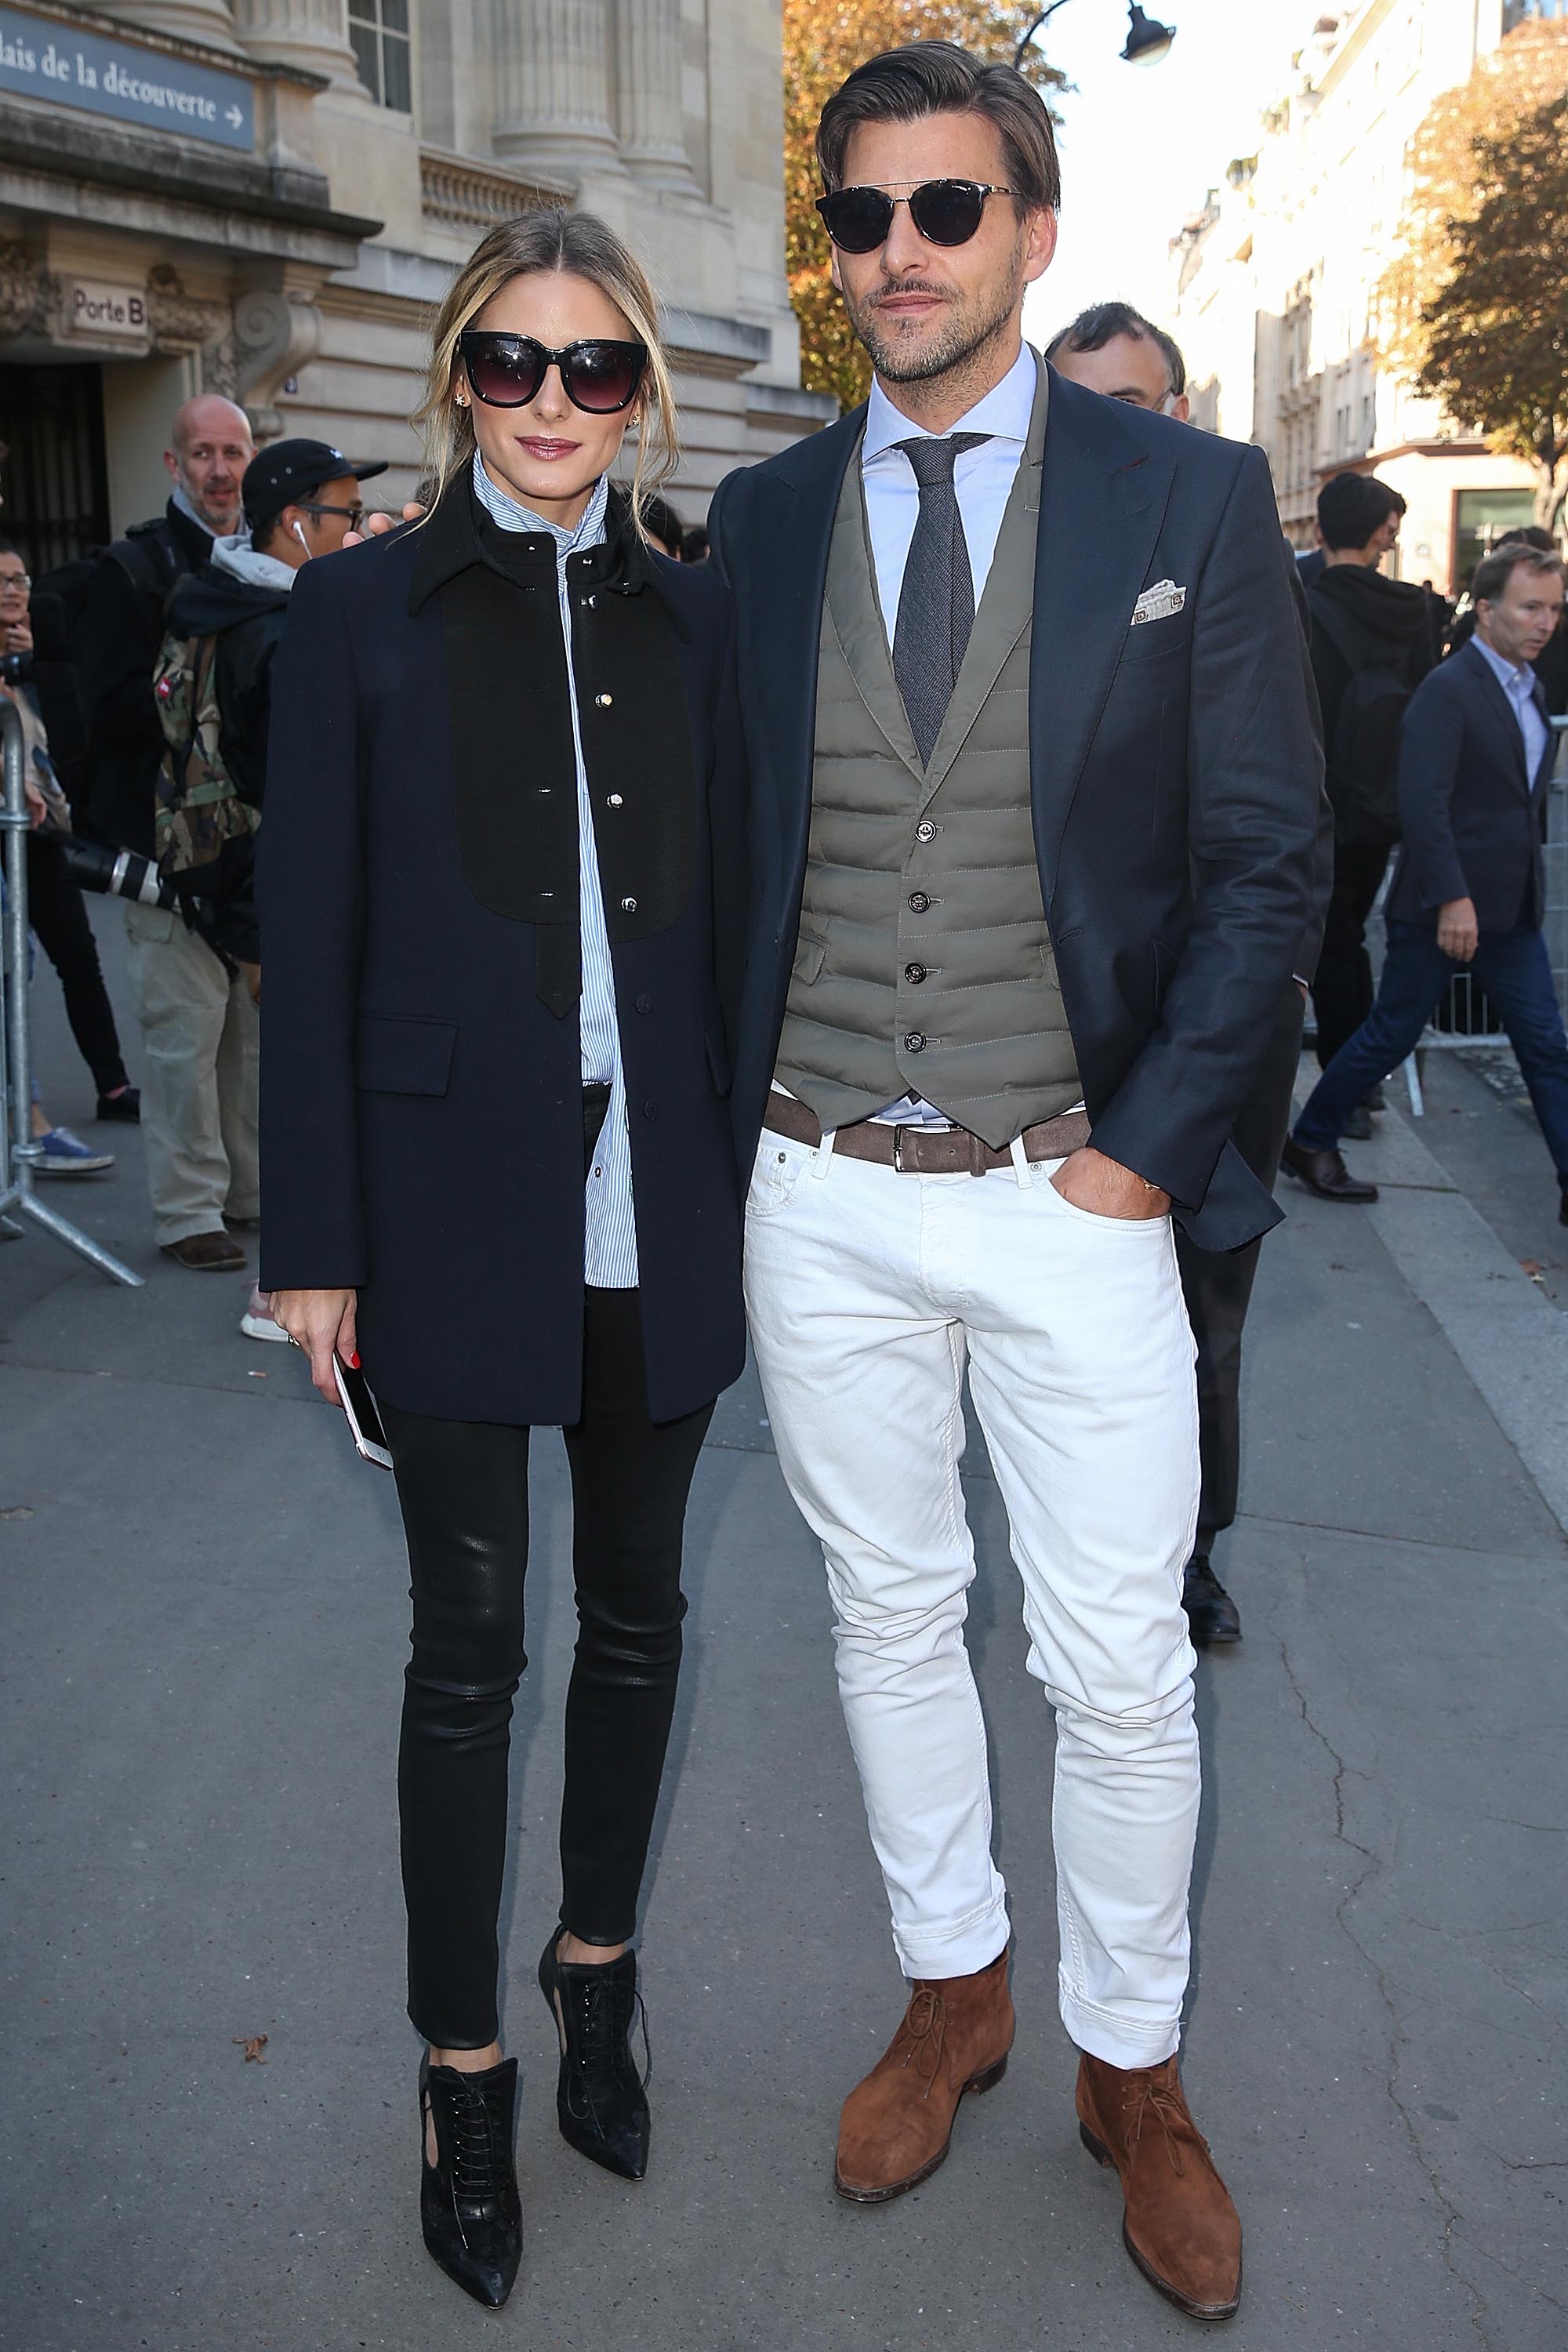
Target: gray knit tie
{"x": 936, "y": 603}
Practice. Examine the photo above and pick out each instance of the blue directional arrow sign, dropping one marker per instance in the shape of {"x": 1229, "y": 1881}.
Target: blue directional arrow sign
{"x": 41, "y": 57}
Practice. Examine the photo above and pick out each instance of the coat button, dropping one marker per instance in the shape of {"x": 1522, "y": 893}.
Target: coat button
{"x": 914, "y": 1043}
{"x": 628, "y": 906}
{"x": 919, "y": 902}
{"x": 914, "y": 974}
{"x": 925, "y": 830}
{"x": 604, "y": 700}
{"x": 645, "y": 1005}
{"x": 613, "y": 801}
{"x": 650, "y": 1109}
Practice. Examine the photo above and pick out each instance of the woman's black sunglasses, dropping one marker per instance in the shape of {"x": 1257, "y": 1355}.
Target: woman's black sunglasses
{"x": 946, "y": 211}
{"x": 507, "y": 371}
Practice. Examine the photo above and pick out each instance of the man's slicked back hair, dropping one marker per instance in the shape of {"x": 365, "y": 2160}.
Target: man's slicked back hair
{"x": 938, "y": 78}
{"x": 1103, "y": 322}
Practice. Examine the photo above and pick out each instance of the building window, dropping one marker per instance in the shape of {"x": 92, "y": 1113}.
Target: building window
{"x": 1480, "y": 519}
{"x": 379, "y": 31}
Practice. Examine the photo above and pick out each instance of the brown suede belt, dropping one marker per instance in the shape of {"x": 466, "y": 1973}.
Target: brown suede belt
{"x": 925, "y": 1150}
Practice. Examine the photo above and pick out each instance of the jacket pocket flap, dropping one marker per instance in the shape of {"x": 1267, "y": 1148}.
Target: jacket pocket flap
{"x": 810, "y": 955}
{"x": 395, "y": 1056}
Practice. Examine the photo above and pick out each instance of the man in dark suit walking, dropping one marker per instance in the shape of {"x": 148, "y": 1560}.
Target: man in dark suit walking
{"x": 1035, "y": 798}
{"x": 1475, "y": 760}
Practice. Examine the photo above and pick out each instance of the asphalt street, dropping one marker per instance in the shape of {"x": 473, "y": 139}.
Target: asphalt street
{"x": 205, "y": 1628}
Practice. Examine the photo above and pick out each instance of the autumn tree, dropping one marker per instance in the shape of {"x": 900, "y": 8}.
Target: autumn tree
{"x": 824, "y": 40}
{"x": 1474, "y": 307}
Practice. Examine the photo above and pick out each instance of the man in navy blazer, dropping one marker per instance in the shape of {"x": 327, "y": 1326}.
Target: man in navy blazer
{"x": 1475, "y": 758}
{"x": 1035, "y": 799}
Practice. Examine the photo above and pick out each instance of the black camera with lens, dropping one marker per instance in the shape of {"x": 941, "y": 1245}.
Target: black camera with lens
{"x": 16, "y": 669}
{"x": 117, "y": 873}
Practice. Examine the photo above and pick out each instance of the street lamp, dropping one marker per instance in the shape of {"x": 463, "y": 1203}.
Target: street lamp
{"x": 1147, "y": 38}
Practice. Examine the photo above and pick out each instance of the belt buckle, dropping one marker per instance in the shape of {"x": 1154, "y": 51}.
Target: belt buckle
{"x": 900, "y": 1130}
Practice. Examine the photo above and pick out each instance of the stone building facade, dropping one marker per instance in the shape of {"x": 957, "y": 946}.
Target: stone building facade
{"x": 267, "y": 197}
{"x": 1276, "y": 276}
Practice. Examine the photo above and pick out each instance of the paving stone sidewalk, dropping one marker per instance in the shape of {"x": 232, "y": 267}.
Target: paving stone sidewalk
{"x": 204, "y": 1629}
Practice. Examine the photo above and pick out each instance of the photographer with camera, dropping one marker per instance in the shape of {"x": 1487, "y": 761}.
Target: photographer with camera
{"x": 54, "y": 906}
{"x": 213, "y": 691}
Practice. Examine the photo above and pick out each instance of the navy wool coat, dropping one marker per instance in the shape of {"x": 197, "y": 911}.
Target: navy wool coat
{"x": 421, "y": 1088}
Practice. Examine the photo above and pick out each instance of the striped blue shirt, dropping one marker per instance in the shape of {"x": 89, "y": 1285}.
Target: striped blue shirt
{"x": 610, "y": 1238}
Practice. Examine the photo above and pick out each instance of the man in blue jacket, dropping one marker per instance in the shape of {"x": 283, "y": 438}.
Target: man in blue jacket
{"x": 1035, "y": 791}
{"x": 1469, "y": 889}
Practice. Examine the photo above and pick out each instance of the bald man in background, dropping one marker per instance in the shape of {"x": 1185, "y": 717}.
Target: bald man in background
{"x": 198, "y": 1102}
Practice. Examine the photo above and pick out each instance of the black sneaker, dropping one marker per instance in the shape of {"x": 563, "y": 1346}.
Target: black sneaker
{"x": 1212, "y": 1615}
{"x": 126, "y": 1105}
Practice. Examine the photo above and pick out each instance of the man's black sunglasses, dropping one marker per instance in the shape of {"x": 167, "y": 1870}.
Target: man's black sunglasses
{"x": 508, "y": 371}
{"x": 946, "y": 211}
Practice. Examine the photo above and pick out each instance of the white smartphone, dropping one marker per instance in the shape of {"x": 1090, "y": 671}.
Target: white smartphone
{"x": 364, "y": 1421}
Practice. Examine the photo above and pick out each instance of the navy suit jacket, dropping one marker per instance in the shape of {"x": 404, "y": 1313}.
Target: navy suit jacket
{"x": 1175, "y": 769}
{"x": 421, "y": 1103}
{"x": 1474, "y": 823}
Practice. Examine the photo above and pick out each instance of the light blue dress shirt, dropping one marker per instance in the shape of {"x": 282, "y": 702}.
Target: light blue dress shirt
{"x": 1518, "y": 681}
{"x": 610, "y": 1238}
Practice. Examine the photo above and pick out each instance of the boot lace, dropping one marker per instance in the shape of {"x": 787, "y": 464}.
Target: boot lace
{"x": 608, "y": 2015}
{"x": 1150, "y": 2094}
{"x": 925, "y": 2025}
{"x": 478, "y": 2159}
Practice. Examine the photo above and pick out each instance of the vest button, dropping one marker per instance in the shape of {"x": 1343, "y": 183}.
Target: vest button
{"x": 650, "y": 1109}
{"x": 914, "y": 1043}
{"x": 919, "y": 902}
{"x": 925, "y": 830}
{"x": 914, "y": 974}
{"x": 645, "y": 1005}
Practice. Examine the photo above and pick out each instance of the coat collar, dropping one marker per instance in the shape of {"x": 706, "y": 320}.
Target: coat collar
{"x": 454, "y": 537}
{"x": 1503, "y": 713}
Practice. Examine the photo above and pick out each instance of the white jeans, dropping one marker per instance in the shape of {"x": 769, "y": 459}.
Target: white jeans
{"x": 866, "y": 1288}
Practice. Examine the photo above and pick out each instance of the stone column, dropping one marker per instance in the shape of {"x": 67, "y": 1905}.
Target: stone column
{"x": 553, "y": 103}
{"x": 647, "y": 91}
{"x": 207, "y": 21}
{"x": 309, "y": 33}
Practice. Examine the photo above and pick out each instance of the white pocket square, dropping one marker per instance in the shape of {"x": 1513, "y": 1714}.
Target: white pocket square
{"x": 1159, "y": 603}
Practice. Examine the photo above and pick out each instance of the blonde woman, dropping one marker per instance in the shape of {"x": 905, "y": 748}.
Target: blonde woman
{"x": 504, "y": 804}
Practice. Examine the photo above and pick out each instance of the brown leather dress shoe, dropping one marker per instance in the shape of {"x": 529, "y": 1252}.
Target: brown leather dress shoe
{"x": 1325, "y": 1173}
{"x": 206, "y": 1253}
{"x": 1179, "y": 2226}
{"x": 896, "y": 2124}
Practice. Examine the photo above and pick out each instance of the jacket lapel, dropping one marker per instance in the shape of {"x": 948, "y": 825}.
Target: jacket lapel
{"x": 1501, "y": 711}
{"x": 1102, "y": 501}
{"x": 787, "y": 539}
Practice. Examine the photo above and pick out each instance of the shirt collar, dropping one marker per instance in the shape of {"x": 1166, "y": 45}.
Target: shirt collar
{"x": 1516, "y": 678}
{"x": 587, "y": 531}
{"x": 1004, "y": 413}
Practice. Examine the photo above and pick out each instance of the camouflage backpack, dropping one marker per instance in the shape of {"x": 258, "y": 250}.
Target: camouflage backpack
{"x": 202, "y": 829}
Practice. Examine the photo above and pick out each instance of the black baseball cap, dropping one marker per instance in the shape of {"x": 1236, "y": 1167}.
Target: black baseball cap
{"x": 286, "y": 472}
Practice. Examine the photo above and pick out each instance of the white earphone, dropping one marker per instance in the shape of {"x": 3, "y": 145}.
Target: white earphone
{"x": 300, "y": 535}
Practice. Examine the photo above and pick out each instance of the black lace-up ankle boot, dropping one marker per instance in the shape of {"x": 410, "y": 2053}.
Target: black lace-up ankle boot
{"x": 468, "y": 2197}
{"x": 601, "y": 2099}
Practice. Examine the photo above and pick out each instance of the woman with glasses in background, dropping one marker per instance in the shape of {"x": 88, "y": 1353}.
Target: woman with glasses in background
{"x": 501, "y": 883}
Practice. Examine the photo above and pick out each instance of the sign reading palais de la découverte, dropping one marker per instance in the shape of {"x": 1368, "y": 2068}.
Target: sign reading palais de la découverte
{"x": 41, "y": 57}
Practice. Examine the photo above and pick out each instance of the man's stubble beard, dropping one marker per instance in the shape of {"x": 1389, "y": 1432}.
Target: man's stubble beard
{"x": 952, "y": 350}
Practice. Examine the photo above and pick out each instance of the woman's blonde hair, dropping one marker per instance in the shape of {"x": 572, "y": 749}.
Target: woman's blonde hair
{"x": 551, "y": 238}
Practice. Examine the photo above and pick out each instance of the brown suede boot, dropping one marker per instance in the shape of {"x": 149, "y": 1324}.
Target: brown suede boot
{"x": 1180, "y": 2226}
{"x": 897, "y": 2123}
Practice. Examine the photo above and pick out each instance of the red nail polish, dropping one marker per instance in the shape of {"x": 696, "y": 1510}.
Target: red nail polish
{"x": 354, "y": 1361}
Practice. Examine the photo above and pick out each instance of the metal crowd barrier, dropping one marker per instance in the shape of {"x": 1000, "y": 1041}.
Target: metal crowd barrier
{"x": 19, "y": 1152}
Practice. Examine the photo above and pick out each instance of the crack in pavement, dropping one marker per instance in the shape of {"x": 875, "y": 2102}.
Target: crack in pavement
{"x": 1373, "y": 1865}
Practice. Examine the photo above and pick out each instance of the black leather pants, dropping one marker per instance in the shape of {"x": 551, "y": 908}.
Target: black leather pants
{"x": 463, "y": 1486}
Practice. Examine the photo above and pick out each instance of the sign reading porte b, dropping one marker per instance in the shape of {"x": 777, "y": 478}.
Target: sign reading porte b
{"x": 100, "y": 313}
